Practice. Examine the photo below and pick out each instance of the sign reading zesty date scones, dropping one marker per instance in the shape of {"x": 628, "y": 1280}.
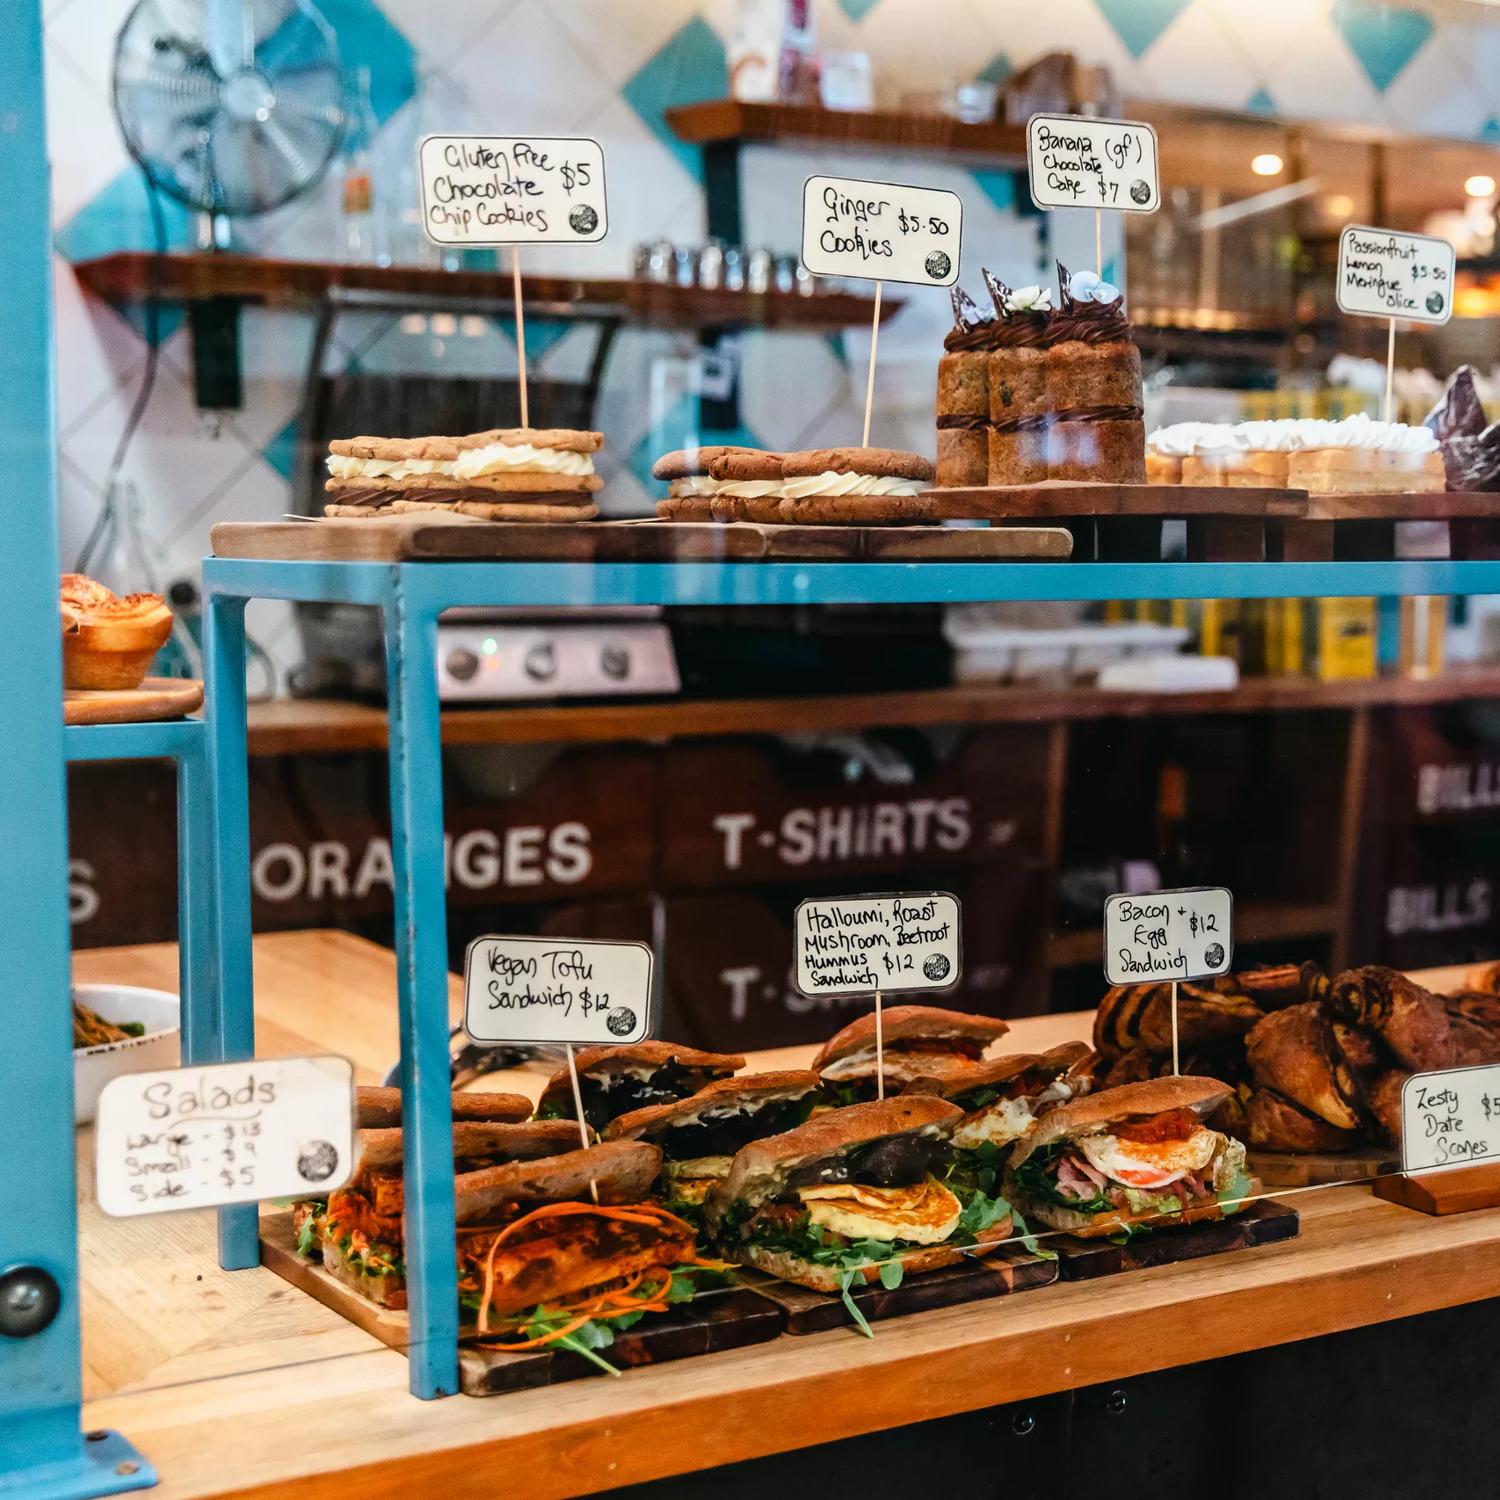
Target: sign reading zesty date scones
{"x": 1450, "y": 1119}
{"x": 853, "y": 945}
{"x": 531, "y": 989}
{"x": 1383, "y": 274}
{"x": 512, "y": 190}
{"x": 1182, "y": 934}
{"x": 882, "y": 231}
{"x": 1077, "y": 162}
{"x": 203, "y": 1137}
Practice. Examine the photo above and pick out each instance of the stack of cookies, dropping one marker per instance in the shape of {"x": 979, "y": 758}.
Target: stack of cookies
{"x": 820, "y": 487}
{"x": 506, "y": 474}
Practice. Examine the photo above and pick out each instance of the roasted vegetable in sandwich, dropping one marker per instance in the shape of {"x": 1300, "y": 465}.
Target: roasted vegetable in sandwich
{"x": 1130, "y": 1157}
{"x": 613, "y": 1081}
{"x": 699, "y": 1135}
{"x": 1001, "y": 1099}
{"x": 920, "y": 1041}
{"x": 356, "y": 1231}
{"x": 854, "y": 1195}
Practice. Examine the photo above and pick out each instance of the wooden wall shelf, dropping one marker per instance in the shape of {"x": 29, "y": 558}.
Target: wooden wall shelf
{"x": 133, "y": 276}
{"x": 315, "y": 726}
{"x": 715, "y": 121}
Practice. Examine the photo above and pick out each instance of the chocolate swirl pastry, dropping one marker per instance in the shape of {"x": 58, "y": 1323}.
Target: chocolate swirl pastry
{"x": 971, "y": 329}
{"x": 1088, "y": 322}
{"x": 1017, "y": 330}
{"x": 1470, "y": 447}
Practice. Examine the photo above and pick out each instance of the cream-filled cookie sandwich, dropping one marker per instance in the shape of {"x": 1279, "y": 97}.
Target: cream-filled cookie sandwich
{"x": 692, "y": 485}
{"x": 509, "y": 473}
{"x": 856, "y": 486}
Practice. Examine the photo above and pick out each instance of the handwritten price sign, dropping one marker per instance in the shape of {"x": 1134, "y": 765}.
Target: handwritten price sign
{"x": 1077, "y": 162}
{"x": 882, "y": 231}
{"x": 1383, "y": 274}
{"x": 857, "y": 944}
{"x": 1450, "y": 1119}
{"x": 1182, "y": 934}
{"x": 527, "y": 989}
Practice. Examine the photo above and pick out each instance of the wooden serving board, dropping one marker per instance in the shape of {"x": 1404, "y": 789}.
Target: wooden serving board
{"x": 1285, "y": 1169}
{"x": 155, "y": 699}
{"x": 417, "y": 538}
{"x": 1260, "y": 1224}
{"x": 1062, "y": 498}
{"x": 730, "y": 1319}
{"x": 994, "y": 1275}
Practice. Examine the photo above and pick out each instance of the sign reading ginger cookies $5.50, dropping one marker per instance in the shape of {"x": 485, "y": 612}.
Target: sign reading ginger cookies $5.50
{"x": 881, "y": 231}
{"x": 512, "y": 190}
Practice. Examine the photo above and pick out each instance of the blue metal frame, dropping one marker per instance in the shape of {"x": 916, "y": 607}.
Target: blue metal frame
{"x": 411, "y": 596}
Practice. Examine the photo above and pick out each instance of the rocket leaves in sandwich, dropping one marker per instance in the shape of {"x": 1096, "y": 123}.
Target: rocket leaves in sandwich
{"x": 1232, "y": 1198}
{"x": 307, "y": 1235}
{"x": 846, "y": 1282}
{"x": 1028, "y": 1240}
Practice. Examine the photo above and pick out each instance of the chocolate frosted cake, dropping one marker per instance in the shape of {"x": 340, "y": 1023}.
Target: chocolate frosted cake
{"x": 963, "y": 400}
{"x": 1018, "y": 406}
{"x": 1093, "y": 386}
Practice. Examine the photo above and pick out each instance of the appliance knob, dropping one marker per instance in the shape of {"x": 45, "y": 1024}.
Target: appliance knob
{"x": 461, "y": 664}
{"x": 541, "y": 661}
{"x": 614, "y": 661}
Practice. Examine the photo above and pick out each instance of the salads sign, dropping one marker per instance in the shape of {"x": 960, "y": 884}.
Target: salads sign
{"x": 1383, "y": 274}
{"x": 851, "y": 945}
{"x": 512, "y": 190}
{"x": 1077, "y": 162}
{"x": 204, "y": 1137}
{"x": 1168, "y": 935}
{"x": 557, "y": 990}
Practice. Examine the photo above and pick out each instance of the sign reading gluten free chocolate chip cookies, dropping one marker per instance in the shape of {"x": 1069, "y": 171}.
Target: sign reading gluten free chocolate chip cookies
{"x": 853, "y": 945}
{"x": 550, "y": 990}
{"x": 512, "y": 190}
{"x": 1386, "y": 274}
{"x": 881, "y": 231}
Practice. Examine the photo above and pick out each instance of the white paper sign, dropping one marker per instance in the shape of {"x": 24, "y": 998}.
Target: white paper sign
{"x": 1183, "y": 934}
{"x": 1450, "y": 1119}
{"x": 226, "y": 1133}
{"x": 531, "y": 989}
{"x": 1078, "y": 162}
{"x": 1384, "y": 274}
{"x": 882, "y": 231}
{"x": 854, "y": 945}
{"x": 512, "y": 190}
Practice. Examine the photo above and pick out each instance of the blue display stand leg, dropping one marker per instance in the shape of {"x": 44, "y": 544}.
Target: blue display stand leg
{"x": 416, "y": 773}
{"x": 224, "y": 690}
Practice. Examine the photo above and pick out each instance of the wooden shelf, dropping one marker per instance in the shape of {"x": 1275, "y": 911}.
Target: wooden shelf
{"x": 133, "y": 276}
{"x": 715, "y": 121}
{"x": 315, "y": 726}
{"x": 1253, "y": 923}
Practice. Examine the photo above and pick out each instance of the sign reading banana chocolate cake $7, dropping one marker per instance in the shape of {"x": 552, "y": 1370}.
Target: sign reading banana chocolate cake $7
{"x": 512, "y": 190}
{"x": 853, "y": 945}
{"x": 1077, "y": 162}
{"x": 540, "y": 990}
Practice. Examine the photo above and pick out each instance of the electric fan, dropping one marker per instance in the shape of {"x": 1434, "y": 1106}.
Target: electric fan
{"x": 234, "y": 107}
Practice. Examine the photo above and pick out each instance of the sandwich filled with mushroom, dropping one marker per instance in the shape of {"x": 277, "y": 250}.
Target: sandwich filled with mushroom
{"x": 919, "y": 1041}
{"x": 1130, "y": 1157}
{"x": 613, "y": 1081}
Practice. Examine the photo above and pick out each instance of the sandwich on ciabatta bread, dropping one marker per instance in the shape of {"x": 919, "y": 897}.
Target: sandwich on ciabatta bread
{"x": 382, "y": 1106}
{"x": 920, "y": 1041}
{"x": 616, "y": 1080}
{"x": 1002, "y": 1098}
{"x": 852, "y": 1193}
{"x": 356, "y": 1231}
{"x": 699, "y": 1135}
{"x": 1127, "y": 1157}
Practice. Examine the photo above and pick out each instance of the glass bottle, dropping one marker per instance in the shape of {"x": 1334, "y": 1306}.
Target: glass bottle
{"x": 365, "y": 232}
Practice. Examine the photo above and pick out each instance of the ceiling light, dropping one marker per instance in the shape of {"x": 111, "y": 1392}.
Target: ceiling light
{"x": 1267, "y": 164}
{"x": 1480, "y": 185}
{"x": 1340, "y": 206}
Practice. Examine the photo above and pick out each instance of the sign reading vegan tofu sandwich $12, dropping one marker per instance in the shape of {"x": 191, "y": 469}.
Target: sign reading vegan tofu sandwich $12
{"x": 882, "y": 231}
{"x": 532, "y": 989}
{"x": 512, "y": 190}
{"x": 1168, "y": 935}
{"x": 1383, "y": 274}
{"x": 853, "y": 945}
{"x": 1077, "y": 162}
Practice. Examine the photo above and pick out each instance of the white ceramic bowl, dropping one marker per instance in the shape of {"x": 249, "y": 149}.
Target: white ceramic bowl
{"x": 160, "y": 1047}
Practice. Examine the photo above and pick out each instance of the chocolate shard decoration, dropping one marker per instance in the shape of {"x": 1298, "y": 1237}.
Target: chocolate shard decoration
{"x": 1064, "y": 277}
{"x": 1470, "y": 448}
{"x": 966, "y": 311}
{"x": 1459, "y": 412}
{"x": 998, "y": 292}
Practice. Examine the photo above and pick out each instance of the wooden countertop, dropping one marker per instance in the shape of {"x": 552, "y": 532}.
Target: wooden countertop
{"x": 237, "y": 1384}
{"x": 291, "y": 726}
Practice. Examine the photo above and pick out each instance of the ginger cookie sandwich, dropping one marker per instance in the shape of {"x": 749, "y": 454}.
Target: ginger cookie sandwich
{"x": 749, "y": 486}
{"x": 856, "y": 487}
{"x": 505, "y": 474}
{"x": 691, "y": 486}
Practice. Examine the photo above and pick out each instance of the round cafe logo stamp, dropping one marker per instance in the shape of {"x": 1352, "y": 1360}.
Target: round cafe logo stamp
{"x": 936, "y": 966}
{"x": 583, "y": 219}
{"x": 1140, "y": 191}
{"x": 317, "y": 1161}
{"x": 938, "y": 265}
{"x": 621, "y": 1021}
{"x": 1213, "y": 955}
